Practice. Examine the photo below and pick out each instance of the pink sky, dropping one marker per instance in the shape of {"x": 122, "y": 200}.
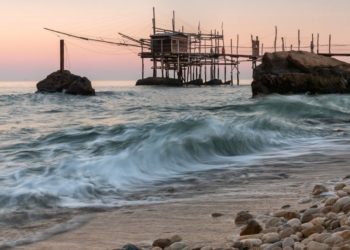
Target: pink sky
{"x": 28, "y": 52}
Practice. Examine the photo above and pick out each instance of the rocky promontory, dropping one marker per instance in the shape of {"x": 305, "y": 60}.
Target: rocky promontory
{"x": 65, "y": 82}
{"x": 297, "y": 72}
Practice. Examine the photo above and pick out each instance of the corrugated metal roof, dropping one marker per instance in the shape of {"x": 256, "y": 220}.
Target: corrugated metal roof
{"x": 169, "y": 34}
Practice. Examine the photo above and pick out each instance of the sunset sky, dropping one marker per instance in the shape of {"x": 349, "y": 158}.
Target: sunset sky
{"x": 28, "y": 52}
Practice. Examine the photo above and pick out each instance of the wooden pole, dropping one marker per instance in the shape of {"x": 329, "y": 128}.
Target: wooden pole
{"x": 298, "y": 40}
{"x": 154, "y": 22}
{"x": 154, "y": 32}
{"x": 237, "y": 60}
{"x": 318, "y": 40}
{"x": 231, "y": 65}
{"x": 178, "y": 55}
{"x": 200, "y": 51}
{"x": 61, "y": 56}
{"x": 282, "y": 44}
{"x": 205, "y": 61}
{"x": 211, "y": 55}
{"x": 262, "y": 49}
{"x": 330, "y": 43}
{"x": 223, "y": 46}
{"x": 215, "y": 53}
{"x": 143, "y": 65}
{"x": 291, "y": 47}
{"x": 275, "y": 37}
{"x": 173, "y": 21}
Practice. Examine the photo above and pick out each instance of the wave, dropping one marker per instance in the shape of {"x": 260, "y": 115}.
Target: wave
{"x": 131, "y": 143}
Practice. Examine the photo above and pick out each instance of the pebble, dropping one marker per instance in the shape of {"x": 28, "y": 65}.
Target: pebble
{"x": 319, "y": 189}
{"x": 331, "y": 200}
{"x": 243, "y": 218}
{"x": 299, "y": 246}
{"x": 175, "y": 238}
{"x": 272, "y": 222}
{"x": 177, "y": 246}
{"x": 250, "y": 236}
{"x": 345, "y": 234}
{"x": 129, "y": 247}
{"x": 252, "y": 242}
{"x": 311, "y": 230}
{"x": 280, "y": 213}
{"x": 342, "y": 193}
{"x": 287, "y": 242}
{"x": 252, "y": 227}
{"x": 339, "y": 204}
{"x": 272, "y": 246}
{"x": 339, "y": 186}
{"x": 333, "y": 240}
{"x": 304, "y": 200}
{"x": 206, "y": 248}
{"x": 321, "y": 237}
{"x": 294, "y": 222}
{"x": 318, "y": 221}
{"x": 346, "y": 208}
{"x": 291, "y": 215}
{"x": 215, "y": 215}
{"x": 313, "y": 245}
{"x": 286, "y": 233}
{"x": 162, "y": 243}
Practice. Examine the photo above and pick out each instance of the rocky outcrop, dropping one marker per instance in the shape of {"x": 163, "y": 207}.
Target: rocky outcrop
{"x": 67, "y": 83}
{"x": 213, "y": 82}
{"x": 160, "y": 81}
{"x": 296, "y": 72}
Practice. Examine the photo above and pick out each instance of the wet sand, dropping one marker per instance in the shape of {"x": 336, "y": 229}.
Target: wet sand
{"x": 190, "y": 217}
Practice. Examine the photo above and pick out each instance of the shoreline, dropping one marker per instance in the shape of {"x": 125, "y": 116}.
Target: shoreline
{"x": 191, "y": 217}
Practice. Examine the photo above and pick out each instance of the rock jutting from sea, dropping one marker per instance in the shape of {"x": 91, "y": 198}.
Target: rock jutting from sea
{"x": 298, "y": 72}
{"x": 67, "y": 83}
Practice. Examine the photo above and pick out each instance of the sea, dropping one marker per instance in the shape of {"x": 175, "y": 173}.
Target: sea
{"x": 134, "y": 145}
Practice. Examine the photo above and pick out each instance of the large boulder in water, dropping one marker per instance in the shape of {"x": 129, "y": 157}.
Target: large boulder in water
{"x": 296, "y": 72}
{"x": 160, "y": 81}
{"x": 71, "y": 84}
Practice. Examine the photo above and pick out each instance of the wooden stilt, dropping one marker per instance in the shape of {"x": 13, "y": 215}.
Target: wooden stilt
{"x": 298, "y": 40}
{"x": 238, "y": 57}
{"x": 205, "y": 61}
{"x": 143, "y": 65}
{"x": 318, "y": 37}
{"x": 275, "y": 38}
{"x": 330, "y": 37}
{"x": 231, "y": 65}
{"x": 162, "y": 65}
